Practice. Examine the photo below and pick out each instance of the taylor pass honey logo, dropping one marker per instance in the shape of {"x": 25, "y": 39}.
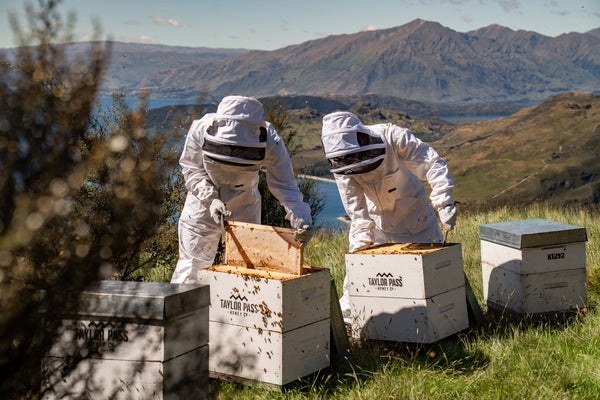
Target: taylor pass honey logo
{"x": 385, "y": 281}
{"x": 239, "y": 305}
{"x": 99, "y": 335}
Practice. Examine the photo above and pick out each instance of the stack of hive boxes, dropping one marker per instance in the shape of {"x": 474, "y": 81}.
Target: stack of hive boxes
{"x": 269, "y": 313}
{"x": 131, "y": 340}
{"x": 407, "y": 292}
{"x": 533, "y": 266}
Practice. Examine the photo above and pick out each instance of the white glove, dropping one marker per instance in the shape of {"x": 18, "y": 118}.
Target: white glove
{"x": 448, "y": 216}
{"x": 303, "y": 233}
{"x": 363, "y": 245}
{"x": 218, "y": 211}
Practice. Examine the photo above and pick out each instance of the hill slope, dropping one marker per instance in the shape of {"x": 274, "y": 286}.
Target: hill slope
{"x": 421, "y": 61}
{"x": 550, "y": 152}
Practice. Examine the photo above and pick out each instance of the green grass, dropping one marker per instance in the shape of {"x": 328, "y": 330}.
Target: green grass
{"x": 501, "y": 357}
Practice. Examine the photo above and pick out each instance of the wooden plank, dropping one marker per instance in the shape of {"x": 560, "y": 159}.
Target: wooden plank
{"x": 338, "y": 330}
{"x": 472, "y": 303}
{"x": 263, "y": 247}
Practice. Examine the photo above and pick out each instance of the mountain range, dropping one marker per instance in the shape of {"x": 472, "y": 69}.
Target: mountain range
{"x": 421, "y": 61}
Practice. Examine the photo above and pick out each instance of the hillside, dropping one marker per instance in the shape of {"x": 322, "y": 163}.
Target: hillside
{"x": 422, "y": 61}
{"x": 550, "y": 152}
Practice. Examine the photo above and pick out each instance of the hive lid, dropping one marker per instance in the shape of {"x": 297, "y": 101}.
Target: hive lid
{"x": 141, "y": 300}
{"x": 531, "y": 233}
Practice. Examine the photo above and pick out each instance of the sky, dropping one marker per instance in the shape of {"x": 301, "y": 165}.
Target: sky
{"x": 271, "y": 24}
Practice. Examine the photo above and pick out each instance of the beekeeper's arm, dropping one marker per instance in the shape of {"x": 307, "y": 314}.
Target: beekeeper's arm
{"x": 355, "y": 204}
{"x": 423, "y": 161}
{"x": 282, "y": 182}
{"x": 197, "y": 180}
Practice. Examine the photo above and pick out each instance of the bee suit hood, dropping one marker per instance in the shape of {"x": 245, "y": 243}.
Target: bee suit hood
{"x": 343, "y": 149}
{"x": 238, "y": 131}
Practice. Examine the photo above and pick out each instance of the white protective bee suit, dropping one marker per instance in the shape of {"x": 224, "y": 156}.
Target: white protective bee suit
{"x": 379, "y": 181}
{"x": 222, "y": 156}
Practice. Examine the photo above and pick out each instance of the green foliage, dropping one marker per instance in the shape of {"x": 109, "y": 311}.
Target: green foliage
{"x": 272, "y": 212}
{"x": 79, "y": 200}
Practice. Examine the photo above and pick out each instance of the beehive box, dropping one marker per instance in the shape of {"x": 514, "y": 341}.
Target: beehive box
{"x": 533, "y": 266}
{"x": 132, "y": 340}
{"x": 407, "y": 292}
{"x": 266, "y": 325}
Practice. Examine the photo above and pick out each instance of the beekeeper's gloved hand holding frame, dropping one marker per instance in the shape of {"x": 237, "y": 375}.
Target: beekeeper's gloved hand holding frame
{"x": 303, "y": 233}
{"x": 448, "y": 216}
{"x": 218, "y": 210}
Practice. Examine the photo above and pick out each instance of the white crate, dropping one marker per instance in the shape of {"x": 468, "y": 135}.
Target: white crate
{"x": 410, "y": 320}
{"x": 406, "y": 271}
{"x": 533, "y": 293}
{"x": 533, "y": 266}
{"x": 407, "y": 292}
{"x": 267, "y": 326}
{"x": 268, "y": 356}
{"x": 534, "y": 260}
{"x": 131, "y": 340}
{"x": 182, "y": 377}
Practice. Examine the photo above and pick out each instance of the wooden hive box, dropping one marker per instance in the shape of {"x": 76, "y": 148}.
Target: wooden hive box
{"x": 132, "y": 340}
{"x": 533, "y": 266}
{"x": 269, "y": 314}
{"x": 407, "y": 292}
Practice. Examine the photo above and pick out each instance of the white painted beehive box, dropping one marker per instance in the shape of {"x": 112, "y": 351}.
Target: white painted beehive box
{"x": 533, "y": 266}
{"x": 266, "y": 325}
{"x": 132, "y": 340}
{"x": 407, "y": 292}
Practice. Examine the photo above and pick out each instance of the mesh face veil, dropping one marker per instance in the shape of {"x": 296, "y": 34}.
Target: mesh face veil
{"x": 350, "y": 146}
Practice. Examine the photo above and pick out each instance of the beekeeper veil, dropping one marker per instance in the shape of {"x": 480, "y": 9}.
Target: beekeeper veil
{"x": 238, "y": 133}
{"x": 350, "y": 146}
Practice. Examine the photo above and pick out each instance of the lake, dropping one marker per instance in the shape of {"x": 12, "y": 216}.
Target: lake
{"x": 334, "y": 209}
{"x": 152, "y": 103}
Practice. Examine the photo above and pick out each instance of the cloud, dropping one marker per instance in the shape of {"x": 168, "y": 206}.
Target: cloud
{"x": 142, "y": 39}
{"x": 284, "y": 28}
{"x": 509, "y": 5}
{"x": 132, "y": 22}
{"x": 83, "y": 37}
{"x": 162, "y": 20}
{"x": 467, "y": 19}
{"x": 369, "y": 28}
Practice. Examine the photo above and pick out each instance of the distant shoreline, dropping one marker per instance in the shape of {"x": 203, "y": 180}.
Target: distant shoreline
{"x": 317, "y": 178}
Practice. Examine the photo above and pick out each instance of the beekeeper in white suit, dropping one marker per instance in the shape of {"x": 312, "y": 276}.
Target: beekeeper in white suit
{"x": 378, "y": 170}
{"x": 220, "y": 161}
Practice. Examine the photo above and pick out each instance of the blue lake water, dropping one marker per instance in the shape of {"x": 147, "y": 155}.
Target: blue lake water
{"x": 334, "y": 209}
{"x": 152, "y": 103}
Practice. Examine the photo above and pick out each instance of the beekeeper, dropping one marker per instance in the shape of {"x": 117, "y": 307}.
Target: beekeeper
{"x": 378, "y": 170}
{"x": 220, "y": 161}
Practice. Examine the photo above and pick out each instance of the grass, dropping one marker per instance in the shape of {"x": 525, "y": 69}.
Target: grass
{"x": 500, "y": 357}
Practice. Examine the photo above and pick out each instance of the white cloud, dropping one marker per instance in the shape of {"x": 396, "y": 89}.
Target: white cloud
{"x": 369, "y": 28}
{"x": 284, "y": 28}
{"x": 162, "y": 20}
{"x": 509, "y": 5}
{"x": 141, "y": 39}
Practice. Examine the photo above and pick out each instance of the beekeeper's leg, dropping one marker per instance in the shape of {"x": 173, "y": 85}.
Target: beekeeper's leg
{"x": 197, "y": 249}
